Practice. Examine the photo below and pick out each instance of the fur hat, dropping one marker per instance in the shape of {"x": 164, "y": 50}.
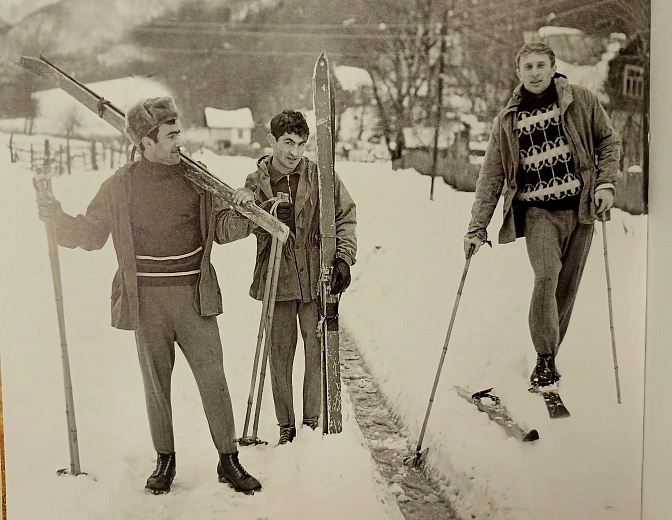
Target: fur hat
{"x": 148, "y": 114}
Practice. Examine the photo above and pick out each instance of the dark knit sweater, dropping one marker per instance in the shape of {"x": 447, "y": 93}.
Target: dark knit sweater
{"x": 547, "y": 173}
{"x": 165, "y": 219}
{"x": 285, "y": 183}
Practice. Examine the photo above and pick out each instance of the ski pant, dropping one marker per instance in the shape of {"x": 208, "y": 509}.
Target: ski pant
{"x": 558, "y": 246}
{"x": 284, "y": 338}
{"x": 167, "y": 316}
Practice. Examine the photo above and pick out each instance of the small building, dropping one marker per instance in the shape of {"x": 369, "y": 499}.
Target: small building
{"x": 627, "y": 86}
{"x": 228, "y": 128}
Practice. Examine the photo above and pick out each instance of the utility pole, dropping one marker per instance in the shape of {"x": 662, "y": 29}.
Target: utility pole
{"x": 645, "y": 127}
{"x": 439, "y": 99}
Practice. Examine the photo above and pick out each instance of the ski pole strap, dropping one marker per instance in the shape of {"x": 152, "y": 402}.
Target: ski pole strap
{"x": 101, "y": 105}
{"x": 281, "y": 197}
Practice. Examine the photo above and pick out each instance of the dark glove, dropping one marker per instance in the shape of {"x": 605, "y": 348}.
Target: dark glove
{"x": 284, "y": 212}
{"x": 340, "y": 277}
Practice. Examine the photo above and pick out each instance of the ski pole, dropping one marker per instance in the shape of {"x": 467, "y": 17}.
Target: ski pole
{"x": 260, "y": 335}
{"x": 276, "y": 257}
{"x": 414, "y": 460}
{"x": 611, "y": 312}
{"x": 3, "y": 478}
{"x": 43, "y": 185}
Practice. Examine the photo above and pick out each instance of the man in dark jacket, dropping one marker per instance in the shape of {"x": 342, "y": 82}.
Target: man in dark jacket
{"x": 165, "y": 289}
{"x": 287, "y": 172}
{"x": 554, "y": 152}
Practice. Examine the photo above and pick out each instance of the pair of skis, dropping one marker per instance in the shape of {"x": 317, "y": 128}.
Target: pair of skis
{"x": 489, "y": 403}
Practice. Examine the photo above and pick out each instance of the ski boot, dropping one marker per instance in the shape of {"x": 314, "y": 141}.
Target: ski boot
{"x": 231, "y": 472}
{"x": 312, "y": 422}
{"x": 160, "y": 480}
{"x": 287, "y": 434}
{"x": 544, "y": 373}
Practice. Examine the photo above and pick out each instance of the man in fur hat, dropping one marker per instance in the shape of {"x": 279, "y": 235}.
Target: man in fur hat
{"x": 165, "y": 289}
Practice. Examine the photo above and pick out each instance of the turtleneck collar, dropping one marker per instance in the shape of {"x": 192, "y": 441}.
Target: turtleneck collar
{"x": 547, "y": 95}
{"x": 159, "y": 169}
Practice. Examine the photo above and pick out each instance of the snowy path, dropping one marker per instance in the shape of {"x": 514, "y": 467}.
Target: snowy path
{"x": 405, "y": 283}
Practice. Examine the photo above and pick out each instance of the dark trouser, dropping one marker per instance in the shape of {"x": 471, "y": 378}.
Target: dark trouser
{"x": 284, "y": 339}
{"x": 557, "y": 245}
{"x": 167, "y": 316}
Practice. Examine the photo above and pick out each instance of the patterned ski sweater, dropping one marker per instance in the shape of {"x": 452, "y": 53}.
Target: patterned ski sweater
{"x": 547, "y": 174}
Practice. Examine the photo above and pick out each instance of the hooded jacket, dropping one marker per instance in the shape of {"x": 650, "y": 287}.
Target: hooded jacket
{"x": 109, "y": 214}
{"x": 594, "y": 146}
{"x": 298, "y": 278}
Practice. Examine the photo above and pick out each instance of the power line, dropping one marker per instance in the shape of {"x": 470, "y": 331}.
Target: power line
{"x": 257, "y": 34}
{"x": 265, "y": 53}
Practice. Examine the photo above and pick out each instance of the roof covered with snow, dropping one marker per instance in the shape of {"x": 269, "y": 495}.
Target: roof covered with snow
{"x": 351, "y": 78}
{"x": 218, "y": 118}
{"x": 56, "y": 109}
{"x": 121, "y": 92}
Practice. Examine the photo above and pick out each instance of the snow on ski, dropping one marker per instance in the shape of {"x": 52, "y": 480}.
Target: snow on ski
{"x": 490, "y": 404}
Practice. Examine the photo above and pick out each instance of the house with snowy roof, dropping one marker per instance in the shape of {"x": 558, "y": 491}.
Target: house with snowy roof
{"x": 228, "y": 128}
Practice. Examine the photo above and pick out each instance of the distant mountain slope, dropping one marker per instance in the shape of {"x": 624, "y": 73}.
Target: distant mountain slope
{"x": 12, "y": 11}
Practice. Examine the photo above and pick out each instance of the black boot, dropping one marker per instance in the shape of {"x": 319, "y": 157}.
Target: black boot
{"x": 159, "y": 482}
{"x": 312, "y": 422}
{"x": 287, "y": 434}
{"x": 544, "y": 373}
{"x": 231, "y": 472}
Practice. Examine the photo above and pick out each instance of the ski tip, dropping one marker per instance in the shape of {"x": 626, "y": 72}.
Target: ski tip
{"x": 323, "y": 60}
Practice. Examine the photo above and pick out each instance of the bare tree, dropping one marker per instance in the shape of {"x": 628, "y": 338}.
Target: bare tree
{"x": 71, "y": 122}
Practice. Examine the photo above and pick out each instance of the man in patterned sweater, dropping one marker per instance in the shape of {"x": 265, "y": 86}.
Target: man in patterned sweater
{"x": 554, "y": 153}
{"x": 165, "y": 290}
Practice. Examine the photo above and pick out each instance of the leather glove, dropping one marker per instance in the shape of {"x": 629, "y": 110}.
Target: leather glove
{"x": 284, "y": 212}
{"x": 475, "y": 240}
{"x": 340, "y": 277}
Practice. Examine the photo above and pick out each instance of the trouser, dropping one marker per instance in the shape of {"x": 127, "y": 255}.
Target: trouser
{"x": 284, "y": 339}
{"x": 558, "y": 246}
{"x": 168, "y": 316}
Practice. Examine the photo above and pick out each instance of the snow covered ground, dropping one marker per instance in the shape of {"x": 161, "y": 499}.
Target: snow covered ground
{"x": 334, "y": 475}
{"x": 409, "y": 265}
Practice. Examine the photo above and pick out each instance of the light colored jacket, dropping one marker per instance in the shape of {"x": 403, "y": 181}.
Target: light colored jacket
{"x": 300, "y": 266}
{"x": 593, "y": 143}
{"x": 109, "y": 213}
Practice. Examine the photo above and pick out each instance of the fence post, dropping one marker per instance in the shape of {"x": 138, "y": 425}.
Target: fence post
{"x": 11, "y": 150}
{"x": 112, "y": 155}
{"x": 60, "y": 159}
{"x": 68, "y": 158}
{"x": 46, "y": 160}
{"x": 94, "y": 160}
{"x": 32, "y": 159}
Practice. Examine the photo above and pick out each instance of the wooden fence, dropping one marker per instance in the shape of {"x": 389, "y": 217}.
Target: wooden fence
{"x": 62, "y": 158}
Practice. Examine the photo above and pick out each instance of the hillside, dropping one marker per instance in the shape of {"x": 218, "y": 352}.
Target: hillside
{"x": 253, "y": 61}
{"x": 12, "y": 11}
